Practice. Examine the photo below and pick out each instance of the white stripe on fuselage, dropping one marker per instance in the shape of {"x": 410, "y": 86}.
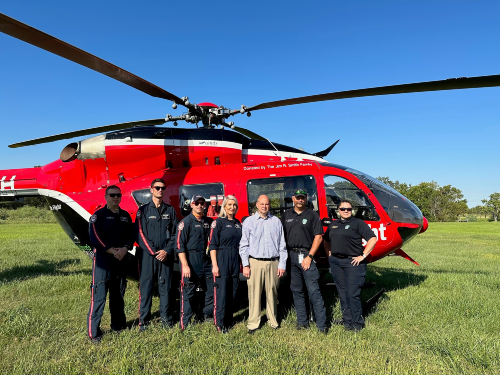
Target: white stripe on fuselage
{"x": 286, "y": 154}
{"x": 172, "y": 142}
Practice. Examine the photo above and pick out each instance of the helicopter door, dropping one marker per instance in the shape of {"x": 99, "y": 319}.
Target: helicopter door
{"x": 338, "y": 188}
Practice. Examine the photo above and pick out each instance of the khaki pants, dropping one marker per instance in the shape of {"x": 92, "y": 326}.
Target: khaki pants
{"x": 262, "y": 273}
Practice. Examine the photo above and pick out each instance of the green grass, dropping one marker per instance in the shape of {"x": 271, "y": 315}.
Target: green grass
{"x": 441, "y": 317}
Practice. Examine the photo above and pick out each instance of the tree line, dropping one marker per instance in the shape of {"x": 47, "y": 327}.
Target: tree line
{"x": 443, "y": 203}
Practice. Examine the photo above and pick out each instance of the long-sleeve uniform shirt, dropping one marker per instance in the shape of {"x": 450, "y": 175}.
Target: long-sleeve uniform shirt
{"x": 108, "y": 229}
{"x": 192, "y": 235}
{"x": 225, "y": 237}
{"x": 263, "y": 238}
{"x": 156, "y": 228}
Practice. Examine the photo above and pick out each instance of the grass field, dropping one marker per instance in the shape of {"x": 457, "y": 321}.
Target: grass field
{"x": 441, "y": 317}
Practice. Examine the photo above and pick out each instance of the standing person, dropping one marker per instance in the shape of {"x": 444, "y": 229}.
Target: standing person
{"x": 304, "y": 234}
{"x": 343, "y": 244}
{"x": 263, "y": 255}
{"x": 196, "y": 270}
{"x": 111, "y": 234}
{"x": 225, "y": 237}
{"x": 155, "y": 227}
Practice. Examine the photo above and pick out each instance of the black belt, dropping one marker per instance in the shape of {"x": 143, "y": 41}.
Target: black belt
{"x": 298, "y": 249}
{"x": 264, "y": 259}
{"x": 341, "y": 256}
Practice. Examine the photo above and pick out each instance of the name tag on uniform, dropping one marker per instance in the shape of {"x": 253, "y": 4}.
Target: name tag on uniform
{"x": 110, "y": 217}
{"x": 165, "y": 216}
{"x": 335, "y": 227}
{"x": 197, "y": 225}
{"x": 229, "y": 226}
{"x": 289, "y": 220}
{"x": 206, "y": 226}
{"x": 124, "y": 218}
{"x": 152, "y": 217}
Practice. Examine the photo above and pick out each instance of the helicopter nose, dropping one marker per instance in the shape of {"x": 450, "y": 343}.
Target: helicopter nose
{"x": 425, "y": 225}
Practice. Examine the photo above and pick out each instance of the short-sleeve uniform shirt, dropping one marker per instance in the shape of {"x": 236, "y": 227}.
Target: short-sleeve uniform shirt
{"x": 345, "y": 236}
{"x": 300, "y": 229}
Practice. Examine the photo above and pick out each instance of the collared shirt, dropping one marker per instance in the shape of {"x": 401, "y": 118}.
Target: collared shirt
{"x": 192, "y": 234}
{"x": 345, "y": 236}
{"x": 301, "y": 228}
{"x": 263, "y": 238}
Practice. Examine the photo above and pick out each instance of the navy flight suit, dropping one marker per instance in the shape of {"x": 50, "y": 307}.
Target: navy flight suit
{"x": 225, "y": 237}
{"x": 192, "y": 239}
{"x": 106, "y": 230}
{"x": 155, "y": 230}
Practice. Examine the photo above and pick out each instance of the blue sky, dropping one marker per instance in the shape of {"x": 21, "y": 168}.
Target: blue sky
{"x": 232, "y": 53}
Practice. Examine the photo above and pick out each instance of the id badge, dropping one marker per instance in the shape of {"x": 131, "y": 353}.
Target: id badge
{"x": 301, "y": 258}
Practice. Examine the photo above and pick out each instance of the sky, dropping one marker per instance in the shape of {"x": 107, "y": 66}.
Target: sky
{"x": 233, "y": 53}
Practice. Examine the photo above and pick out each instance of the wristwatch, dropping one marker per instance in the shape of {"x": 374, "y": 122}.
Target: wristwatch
{"x": 310, "y": 256}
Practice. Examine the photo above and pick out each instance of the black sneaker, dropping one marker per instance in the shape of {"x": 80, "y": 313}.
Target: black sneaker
{"x": 225, "y": 330}
{"x": 323, "y": 331}
{"x": 143, "y": 328}
{"x": 338, "y": 322}
{"x": 96, "y": 340}
{"x": 300, "y": 327}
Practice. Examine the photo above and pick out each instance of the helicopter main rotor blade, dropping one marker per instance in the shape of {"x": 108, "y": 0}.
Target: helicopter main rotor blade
{"x": 33, "y": 36}
{"x": 447, "y": 84}
{"x": 89, "y": 131}
{"x": 249, "y": 133}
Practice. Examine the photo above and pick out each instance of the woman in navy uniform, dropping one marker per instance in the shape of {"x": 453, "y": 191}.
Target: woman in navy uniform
{"x": 111, "y": 234}
{"x": 224, "y": 244}
{"x": 343, "y": 244}
{"x": 196, "y": 276}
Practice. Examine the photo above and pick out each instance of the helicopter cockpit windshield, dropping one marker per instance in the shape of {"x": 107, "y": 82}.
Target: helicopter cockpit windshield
{"x": 399, "y": 208}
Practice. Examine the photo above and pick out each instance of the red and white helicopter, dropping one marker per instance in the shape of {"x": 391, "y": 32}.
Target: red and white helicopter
{"x": 210, "y": 160}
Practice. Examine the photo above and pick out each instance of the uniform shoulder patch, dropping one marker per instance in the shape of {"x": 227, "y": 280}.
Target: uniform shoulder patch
{"x": 214, "y": 224}
{"x": 93, "y": 218}
{"x": 139, "y": 213}
{"x": 181, "y": 225}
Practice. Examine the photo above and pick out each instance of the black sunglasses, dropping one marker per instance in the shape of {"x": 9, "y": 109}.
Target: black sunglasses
{"x": 158, "y": 188}
{"x": 114, "y": 195}
{"x": 199, "y": 203}
{"x": 345, "y": 209}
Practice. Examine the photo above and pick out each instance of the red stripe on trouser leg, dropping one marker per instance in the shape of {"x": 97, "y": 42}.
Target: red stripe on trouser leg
{"x": 139, "y": 309}
{"x": 215, "y": 306}
{"x": 182, "y": 301}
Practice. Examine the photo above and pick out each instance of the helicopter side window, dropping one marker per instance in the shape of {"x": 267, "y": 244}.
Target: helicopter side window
{"x": 141, "y": 197}
{"x": 280, "y": 191}
{"x": 213, "y": 194}
{"x": 338, "y": 188}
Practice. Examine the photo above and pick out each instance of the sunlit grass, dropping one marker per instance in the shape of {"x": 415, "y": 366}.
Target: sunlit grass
{"x": 439, "y": 317}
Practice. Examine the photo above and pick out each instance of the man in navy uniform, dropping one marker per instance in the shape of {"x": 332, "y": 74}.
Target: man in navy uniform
{"x": 196, "y": 268}
{"x": 111, "y": 234}
{"x": 304, "y": 235}
{"x": 155, "y": 226}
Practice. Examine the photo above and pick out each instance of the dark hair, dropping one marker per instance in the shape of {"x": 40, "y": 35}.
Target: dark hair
{"x": 112, "y": 187}
{"x": 345, "y": 201}
{"x": 158, "y": 180}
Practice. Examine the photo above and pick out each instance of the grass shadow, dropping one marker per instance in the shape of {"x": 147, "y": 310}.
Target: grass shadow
{"x": 39, "y": 268}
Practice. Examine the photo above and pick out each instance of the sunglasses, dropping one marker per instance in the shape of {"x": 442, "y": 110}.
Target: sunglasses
{"x": 300, "y": 198}
{"x": 158, "y": 188}
{"x": 199, "y": 203}
{"x": 114, "y": 195}
{"x": 345, "y": 209}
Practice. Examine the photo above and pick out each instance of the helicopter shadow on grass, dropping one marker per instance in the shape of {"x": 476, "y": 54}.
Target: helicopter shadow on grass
{"x": 377, "y": 279}
{"x": 41, "y": 267}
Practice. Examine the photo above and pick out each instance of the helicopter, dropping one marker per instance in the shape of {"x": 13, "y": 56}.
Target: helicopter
{"x": 213, "y": 158}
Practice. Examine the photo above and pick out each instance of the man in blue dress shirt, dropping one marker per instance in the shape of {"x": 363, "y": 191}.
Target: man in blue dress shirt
{"x": 263, "y": 255}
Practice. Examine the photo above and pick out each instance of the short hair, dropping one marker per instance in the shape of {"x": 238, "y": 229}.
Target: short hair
{"x": 228, "y": 198}
{"x": 158, "y": 180}
{"x": 345, "y": 201}
{"x": 112, "y": 187}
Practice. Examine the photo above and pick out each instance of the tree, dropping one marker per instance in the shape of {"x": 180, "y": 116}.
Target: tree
{"x": 492, "y": 205}
{"x": 400, "y": 187}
